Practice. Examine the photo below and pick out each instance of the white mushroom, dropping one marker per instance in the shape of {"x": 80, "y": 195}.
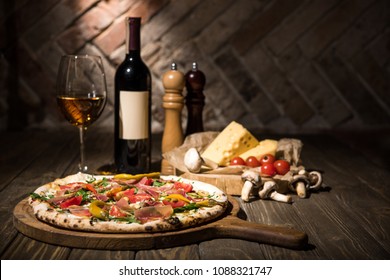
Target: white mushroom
{"x": 315, "y": 179}
{"x": 269, "y": 190}
{"x": 251, "y": 179}
{"x": 300, "y": 184}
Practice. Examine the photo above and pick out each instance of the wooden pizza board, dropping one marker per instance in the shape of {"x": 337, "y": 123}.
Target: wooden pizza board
{"x": 227, "y": 226}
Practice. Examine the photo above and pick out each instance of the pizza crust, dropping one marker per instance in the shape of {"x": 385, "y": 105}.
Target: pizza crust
{"x": 46, "y": 213}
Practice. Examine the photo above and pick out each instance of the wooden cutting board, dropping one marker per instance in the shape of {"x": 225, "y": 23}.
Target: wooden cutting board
{"x": 229, "y": 183}
{"x": 227, "y": 226}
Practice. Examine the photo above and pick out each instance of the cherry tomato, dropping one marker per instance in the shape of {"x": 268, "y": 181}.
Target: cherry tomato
{"x": 268, "y": 158}
{"x": 268, "y": 169}
{"x": 282, "y": 166}
{"x": 252, "y": 161}
{"x": 237, "y": 161}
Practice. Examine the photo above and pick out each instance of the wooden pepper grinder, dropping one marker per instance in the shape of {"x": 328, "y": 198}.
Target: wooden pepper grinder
{"x": 195, "y": 81}
{"x": 173, "y": 103}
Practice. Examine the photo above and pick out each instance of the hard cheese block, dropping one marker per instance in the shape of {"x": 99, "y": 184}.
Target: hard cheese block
{"x": 232, "y": 141}
{"x": 267, "y": 146}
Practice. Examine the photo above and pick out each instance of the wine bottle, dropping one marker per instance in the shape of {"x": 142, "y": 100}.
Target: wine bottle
{"x": 133, "y": 106}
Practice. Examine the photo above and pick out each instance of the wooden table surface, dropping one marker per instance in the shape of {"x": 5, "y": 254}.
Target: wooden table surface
{"x": 349, "y": 219}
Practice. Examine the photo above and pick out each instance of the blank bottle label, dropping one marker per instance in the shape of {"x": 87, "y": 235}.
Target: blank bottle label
{"x": 133, "y": 115}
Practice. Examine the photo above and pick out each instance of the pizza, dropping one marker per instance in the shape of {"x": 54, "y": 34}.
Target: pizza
{"x": 127, "y": 203}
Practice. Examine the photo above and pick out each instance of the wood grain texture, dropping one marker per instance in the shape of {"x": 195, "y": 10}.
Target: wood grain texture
{"x": 348, "y": 219}
{"x": 42, "y": 168}
{"x": 188, "y": 252}
{"x": 224, "y": 249}
{"x": 358, "y": 204}
{"x": 9, "y": 161}
{"x": 24, "y": 248}
{"x": 91, "y": 254}
{"x": 230, "y": 184}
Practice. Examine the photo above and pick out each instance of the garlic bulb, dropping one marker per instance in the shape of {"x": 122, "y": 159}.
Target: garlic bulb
{"x": 192, "y": 160}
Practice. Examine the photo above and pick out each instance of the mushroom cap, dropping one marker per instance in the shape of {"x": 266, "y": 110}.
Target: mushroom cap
{"x": 268, "y": 187}
{"x": 315, "y": 179}
{"x": 251, "y": 176}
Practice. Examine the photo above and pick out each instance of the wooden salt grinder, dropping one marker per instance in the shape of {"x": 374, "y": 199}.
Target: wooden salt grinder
{"x": 195, "y": 81}
{"x": 173, "y": 103}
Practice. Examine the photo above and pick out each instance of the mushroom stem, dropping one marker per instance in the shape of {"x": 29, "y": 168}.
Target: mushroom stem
{"x": 268, "y": 187}
{"x": 280, "y": 197}
{"x": 300, "y": 188}
{"x": 251, "y": 179}
{"x": 269, "y": 190}
{"x": 300, "y": 184}
{"x": 246, "y": 190}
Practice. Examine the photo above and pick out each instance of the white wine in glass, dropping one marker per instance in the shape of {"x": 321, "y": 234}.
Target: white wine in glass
{"x": 81, "y": 93}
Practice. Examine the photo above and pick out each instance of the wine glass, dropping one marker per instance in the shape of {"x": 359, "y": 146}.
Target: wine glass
{"x": 81, "y": 93}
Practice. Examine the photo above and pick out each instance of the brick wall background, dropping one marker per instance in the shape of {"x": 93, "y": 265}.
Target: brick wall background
{"x": 280, "y": 65}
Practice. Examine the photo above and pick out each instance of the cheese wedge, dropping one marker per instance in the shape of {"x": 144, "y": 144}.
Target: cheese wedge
{"x": 232, "y": 141}
{"x": 267, "y": 146}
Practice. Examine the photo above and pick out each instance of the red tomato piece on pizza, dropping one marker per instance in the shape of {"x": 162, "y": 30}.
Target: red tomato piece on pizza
{"x": 182, "y": 186}
{"x": 115, "y": 211}
{"x": 140, "y": 197}
{"x": 146, "y": 181}
{"x": 76, "y": 200}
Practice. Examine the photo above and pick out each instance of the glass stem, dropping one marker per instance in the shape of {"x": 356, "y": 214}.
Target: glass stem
{"x": 82, "y": 165}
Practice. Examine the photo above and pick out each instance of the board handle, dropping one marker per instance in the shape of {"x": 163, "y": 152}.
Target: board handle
{"x": 233, "y": 227}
